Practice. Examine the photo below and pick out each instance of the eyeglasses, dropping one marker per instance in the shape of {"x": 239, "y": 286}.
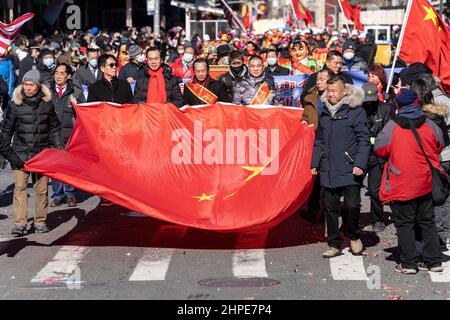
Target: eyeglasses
{"x": 112, "y": 65}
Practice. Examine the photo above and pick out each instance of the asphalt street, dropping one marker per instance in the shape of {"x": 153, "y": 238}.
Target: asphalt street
{"x": 95, "y": 252}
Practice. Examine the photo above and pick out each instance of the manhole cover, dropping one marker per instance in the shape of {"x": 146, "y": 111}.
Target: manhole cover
{"x": 239, "y": 282}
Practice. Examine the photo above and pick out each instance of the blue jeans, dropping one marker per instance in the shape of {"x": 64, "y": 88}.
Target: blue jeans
{"x": 61, "y": 190}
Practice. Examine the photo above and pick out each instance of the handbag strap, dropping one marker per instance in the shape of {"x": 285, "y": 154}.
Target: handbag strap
{"x": 419, "y": 141}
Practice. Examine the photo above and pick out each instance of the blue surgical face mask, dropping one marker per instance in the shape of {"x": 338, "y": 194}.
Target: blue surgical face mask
{"x": 49, "y": 62}
{"x": 271, "y": 61}
{"x": 93, "y": 63}
{"x": 226, "y": 61}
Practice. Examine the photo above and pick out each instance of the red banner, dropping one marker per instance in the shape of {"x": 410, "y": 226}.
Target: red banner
{"x": 186, "y": 167}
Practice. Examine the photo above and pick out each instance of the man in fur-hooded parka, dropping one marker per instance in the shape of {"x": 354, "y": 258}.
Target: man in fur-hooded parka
{"x": 30, "y": 124}
{"x": 342, "y": 140}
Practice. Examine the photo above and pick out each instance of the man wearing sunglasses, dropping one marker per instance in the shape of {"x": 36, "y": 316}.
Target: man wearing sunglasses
{"x": 109, "y": 88}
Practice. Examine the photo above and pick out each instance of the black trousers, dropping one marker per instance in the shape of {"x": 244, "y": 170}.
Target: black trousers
{"x": 352, "y": 209}
{"x": 375, "y": 172}
{"x": 419, "y": 213}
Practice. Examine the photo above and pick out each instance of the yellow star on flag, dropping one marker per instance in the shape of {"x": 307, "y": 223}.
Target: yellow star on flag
{"x": 205, "y": 197}
{"x": 256, "y": 171}
{"x": 431, "y": 15}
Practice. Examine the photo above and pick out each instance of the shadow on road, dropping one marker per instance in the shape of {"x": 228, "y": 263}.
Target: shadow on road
{"x": 115, "y": 226}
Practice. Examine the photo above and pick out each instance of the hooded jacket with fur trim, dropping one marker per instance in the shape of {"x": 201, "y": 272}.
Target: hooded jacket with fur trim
{"x": 33, "y": 124}
{"x": 406, "y": 174}
{"x": 342, "y": 141}
{"x": 439, "y": 114}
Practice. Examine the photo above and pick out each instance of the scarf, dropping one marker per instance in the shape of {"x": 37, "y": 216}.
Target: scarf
{"x": 334, "y": 108}
{"x": 156, "y": 92}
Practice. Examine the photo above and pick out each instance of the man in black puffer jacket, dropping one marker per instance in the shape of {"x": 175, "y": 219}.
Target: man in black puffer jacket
{"x": 32, "y": 121}
{"x": 152, "y": 75}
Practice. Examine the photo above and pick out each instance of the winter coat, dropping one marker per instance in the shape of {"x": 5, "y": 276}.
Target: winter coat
{"x": 84, "y": 76}
{"x": 406, "y": 174}
{"x": 173, "y": 90}
{"x": 230, "y": 81}
{"x": 342, "y": 141}
{"x": 356, "y": 64}
{"x": 214, "y": 86}
{"x": 129, "y": 70}
{"x": 7, "y": 73}
{"x": 439, "y": 115}
{"x": 4, "y": 96}
{"x": 31, "y": 124}
{"x": 45, "y": 74}
{"x": 245, "y": 91}
{"x": 178, "y": 71}
{"x": 63, "y": 106}
{"x": 441, "y": 99}
{"x": 310, "y": 106}
{"x": 117, "y": 91}
{"x": 277, "y": 71}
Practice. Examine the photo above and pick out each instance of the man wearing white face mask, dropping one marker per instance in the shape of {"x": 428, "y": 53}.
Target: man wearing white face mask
{"x": 273, "y": 68}
{"x": 129, "y": 71}
{"x": 46, "y": 65}
{"x": 351, "y": 60}
{"x": 90, "y": 72}
{"x": 182, "y": 67}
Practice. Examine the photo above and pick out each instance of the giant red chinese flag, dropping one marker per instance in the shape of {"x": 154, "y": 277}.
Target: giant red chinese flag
{"x": 189, "y": 167}
{"x": 352, "y": 13}
{"x": 301, "y": 12}
{"x": 426, "y": 39}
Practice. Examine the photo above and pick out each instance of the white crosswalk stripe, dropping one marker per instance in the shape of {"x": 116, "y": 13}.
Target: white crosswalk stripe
{"x": 249, "y": 263}
{"x": 155, "y": 262}
{"x": 348, "y": 267}
{"x": 63, "y": 265}
{"x": 153, "y": 265}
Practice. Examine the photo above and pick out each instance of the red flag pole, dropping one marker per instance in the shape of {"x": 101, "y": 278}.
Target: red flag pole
{"x": 400, "y": 41}
{"x": 294, "y": 14}
{"x": 346, "y": 20}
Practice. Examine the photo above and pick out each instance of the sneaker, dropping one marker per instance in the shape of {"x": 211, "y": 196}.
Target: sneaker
{"x": 378, "y": 227}
{"x": 400, "y": 269}
{"x": 331, "y": 253}
{"x": 55, "y": 203}
{"x": 18, "y": 230}
{"x": 423, "y": 267}
{"x": 356, "y": 247}
{"x": 41, "y": 229}
{"x": 71, "y": 202}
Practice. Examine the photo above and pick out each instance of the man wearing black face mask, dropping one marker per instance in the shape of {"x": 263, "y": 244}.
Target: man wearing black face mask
{"x": 378, "y": 114}
{"x": 237, "y": 72}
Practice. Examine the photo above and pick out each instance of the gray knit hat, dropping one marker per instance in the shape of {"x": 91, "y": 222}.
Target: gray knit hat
{"x": 135, "y": 51}
{"x": 32, "y": 75}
